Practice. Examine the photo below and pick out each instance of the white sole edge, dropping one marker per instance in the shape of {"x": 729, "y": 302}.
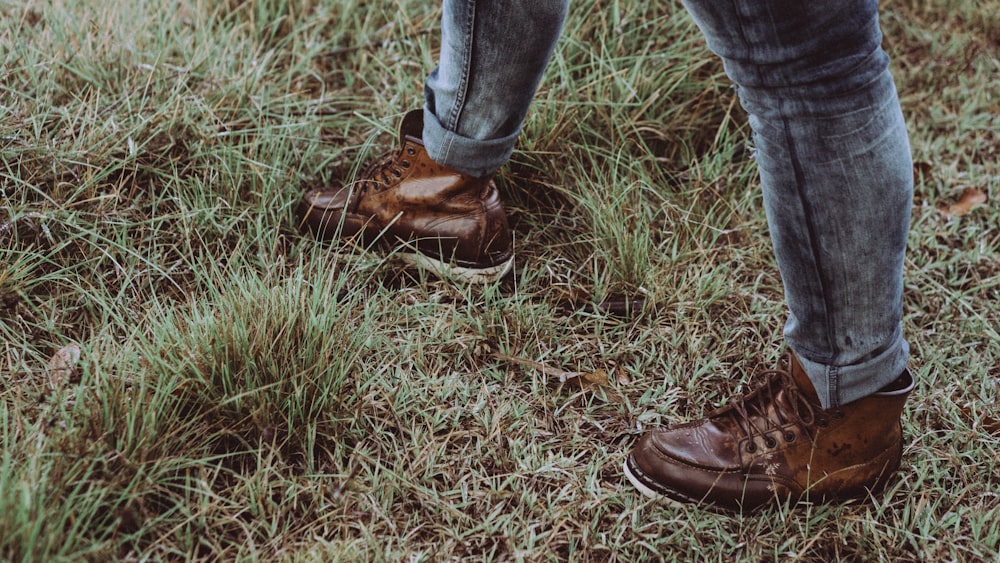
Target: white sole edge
{"x": 447, "y": 271}
{"x": 646, "y": 491}
{"x": 650, "y": 493}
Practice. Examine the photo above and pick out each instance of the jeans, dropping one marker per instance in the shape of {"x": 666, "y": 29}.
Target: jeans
{"x": 493, "y": 55}
{"x": 832, "y": 150}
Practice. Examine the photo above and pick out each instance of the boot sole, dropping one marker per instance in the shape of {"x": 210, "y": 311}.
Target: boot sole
{"x": 446, "y": 271}
{"x": 645, "y": 489}
{"x": 637, "y": 483}
{"x": 681, "y": 500}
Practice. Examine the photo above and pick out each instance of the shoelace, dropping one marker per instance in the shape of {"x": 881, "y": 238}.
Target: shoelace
{"x": 789, "y": 405}
{"x": 387, "y": 167}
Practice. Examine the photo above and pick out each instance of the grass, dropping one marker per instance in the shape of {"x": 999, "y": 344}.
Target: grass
{"x": 244, "y": 393}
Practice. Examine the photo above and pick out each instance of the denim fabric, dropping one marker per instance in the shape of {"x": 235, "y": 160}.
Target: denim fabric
{"x": 832, "y": 150}
{"x": 836, "y": 174}
{"x": 493, "y": 55}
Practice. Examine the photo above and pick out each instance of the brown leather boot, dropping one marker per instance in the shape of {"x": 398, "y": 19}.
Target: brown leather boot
{"x": 443, "y": 220}
{"x": 774, "y": 444}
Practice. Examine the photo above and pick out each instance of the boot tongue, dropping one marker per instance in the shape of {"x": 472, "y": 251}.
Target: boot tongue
{"x": 802, "y": 381}
{"x": 412, "y": 127}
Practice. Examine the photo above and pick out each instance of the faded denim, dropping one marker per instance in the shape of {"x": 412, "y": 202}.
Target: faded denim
{"x": 493, "y": 55}
{"x": 831, "y": 146}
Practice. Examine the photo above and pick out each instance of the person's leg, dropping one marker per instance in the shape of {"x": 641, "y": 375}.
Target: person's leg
{"x": 837, "y": 178}
{"x": 493, "y": 55}
{"x": 433, "y": 195}
{"x": 836, "y": 174}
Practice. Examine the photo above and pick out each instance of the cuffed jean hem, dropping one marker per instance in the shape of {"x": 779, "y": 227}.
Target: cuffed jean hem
{"x": 839, "y": 385}
{"x": 470, "y": 156}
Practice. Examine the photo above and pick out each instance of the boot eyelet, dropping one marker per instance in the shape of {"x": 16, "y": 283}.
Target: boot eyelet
{"x": 397, "y": 172}
{"x": 770, "y": 442}
{"x": 789, "y": 437}
{"x": 752, "y": 447}
{"x": 405, "y": 164}
{"x": 411, "y": 151}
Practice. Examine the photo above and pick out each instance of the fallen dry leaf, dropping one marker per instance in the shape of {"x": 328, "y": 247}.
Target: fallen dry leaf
{"x": 592, "y": 379}
{"x": 623, "y": 378}
{"x": 980, "y": 419}
{"x": 598, "y": 377}
{"x": 971, "y": 197}
{"x": 61, "y": 364}
{"x": 554, "y": 372}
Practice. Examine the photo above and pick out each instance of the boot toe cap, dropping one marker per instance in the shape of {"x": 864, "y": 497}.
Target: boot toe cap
{"x": 673, "y": 463}
{"x": 323, "y": 211}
